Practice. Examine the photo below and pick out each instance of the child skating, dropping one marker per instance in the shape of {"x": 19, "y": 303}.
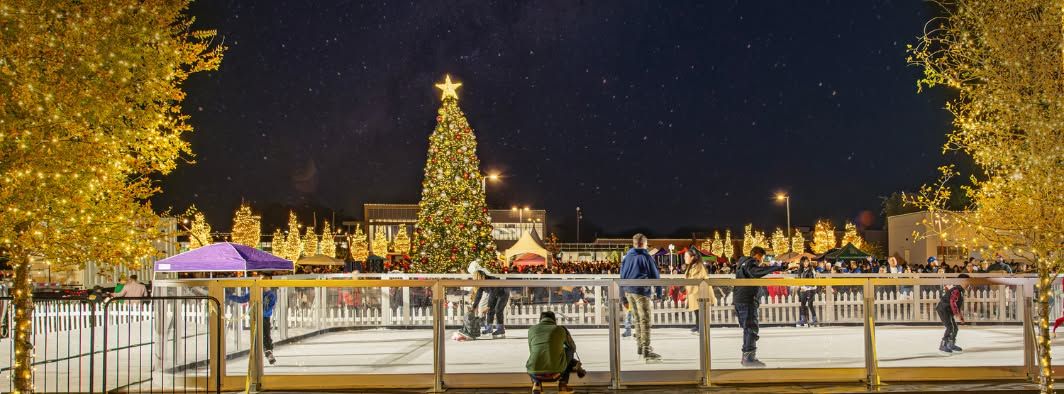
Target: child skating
{"x": 949, "y": 310}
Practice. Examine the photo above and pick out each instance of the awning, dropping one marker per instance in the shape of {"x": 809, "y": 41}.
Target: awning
{"x": 223, "y": 257}
{"x": 525, "y": 245}
{"x": 319, "y": 259}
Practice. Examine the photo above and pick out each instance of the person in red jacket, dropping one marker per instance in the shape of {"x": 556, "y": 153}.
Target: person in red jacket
{"x": 949, "y": 310}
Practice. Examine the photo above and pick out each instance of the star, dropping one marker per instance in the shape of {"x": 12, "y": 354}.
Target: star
{"x": 449, "y": 89}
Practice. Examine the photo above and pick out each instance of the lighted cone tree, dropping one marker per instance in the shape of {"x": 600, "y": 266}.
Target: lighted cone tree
{"x": 453, "y": 227}
{"x": 328, "y": 241}
{"x": 199, "y": 231}
{"x": 357, "y": 245}
{"x": 729, "y": 245}
{"x": 247, "y": 228}
{"x": 277, "y": 244}
{"x": 293, "y": 246}
{"x": 401, "y": 243}
{"x": 748, "y": 239}
{"x": 717, "y": 246}
{"x": 90, "y": 112}
{"x": 379, "y": 243}
{"x": 850, "y": 236}
{"x": 1005, "y": 61}
{"x": 797, "y": 241}
{"x": 780, "y": 243}
{"x": 823, "y": 236}
{"x": 310, "y": 241}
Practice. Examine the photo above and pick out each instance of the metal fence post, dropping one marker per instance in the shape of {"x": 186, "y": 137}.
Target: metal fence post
{"x": 217, "y": 330}
{"x": 1029, "y": 345}
{"x": 255, "y": 353}
{"x": 703, "y": 325}
{"x": 439, "y": 325}
{"x": 92, "y": 349}
{"x": 614, "y": 338}
{"x": 871, "y": 358}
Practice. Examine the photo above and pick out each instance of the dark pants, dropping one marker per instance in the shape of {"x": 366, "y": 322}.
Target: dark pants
{"x": 747, "y": 315}
{"x": 497, "y": 307}
{"x": 564, "y": 376}
{"x": 267, "y": 340}
{"x": 946, "y": 316}
{"x": 806, "y": 309}
{"x": 696, "y": 327}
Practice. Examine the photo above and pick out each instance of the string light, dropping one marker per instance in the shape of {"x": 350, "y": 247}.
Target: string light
{"x": 850, "y": 236}
{"x": 797, "y": 241}
{"x": 293, "y": 246}
{"x": 247, "y": 228}
{"x": 328, "y": 241}
{"x": 310, "y": 241}
{"x": 379, "y": 245}
{"x": 402, "y": 241}
{"x": 823, "y": 236}
{"x": 358, "y": 245}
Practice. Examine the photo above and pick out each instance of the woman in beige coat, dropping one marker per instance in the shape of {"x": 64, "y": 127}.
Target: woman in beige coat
{"x": 695, "y": 270}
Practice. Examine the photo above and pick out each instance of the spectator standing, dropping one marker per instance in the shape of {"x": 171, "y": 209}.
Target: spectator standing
{"x": 638, "y": 264}
{"x": 132, "y": 289}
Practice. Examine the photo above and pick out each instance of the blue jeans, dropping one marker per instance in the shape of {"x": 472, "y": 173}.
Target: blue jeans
{"x": 564, "y": 377}
{"x": 747, "y": 315}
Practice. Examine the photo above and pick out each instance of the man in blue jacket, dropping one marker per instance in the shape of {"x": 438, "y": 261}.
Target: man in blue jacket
{"x": 269, "y": 300}
{"x": 638, "y": 264}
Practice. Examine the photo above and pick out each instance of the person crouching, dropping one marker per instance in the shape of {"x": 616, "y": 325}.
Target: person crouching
{"x": 551, "y": 354}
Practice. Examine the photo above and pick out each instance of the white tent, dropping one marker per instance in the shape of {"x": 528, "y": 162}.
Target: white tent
{"x": 526, "y": 244}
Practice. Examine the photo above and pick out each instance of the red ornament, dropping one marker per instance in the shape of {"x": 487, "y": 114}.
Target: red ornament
{"x": 439, "y": 118}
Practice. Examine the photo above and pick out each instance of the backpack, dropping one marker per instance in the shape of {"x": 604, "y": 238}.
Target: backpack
{"x": 471, "y": 326}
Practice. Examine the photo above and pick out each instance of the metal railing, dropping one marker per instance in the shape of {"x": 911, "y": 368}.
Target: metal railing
{"x": 994, "y": 300}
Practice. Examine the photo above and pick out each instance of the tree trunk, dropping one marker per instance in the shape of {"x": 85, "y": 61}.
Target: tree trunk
{"x": 22, "y": 293}
{"x": 1045, "y": 362}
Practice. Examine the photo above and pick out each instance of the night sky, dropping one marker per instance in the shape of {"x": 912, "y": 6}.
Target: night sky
{"x": 658, "y": 116}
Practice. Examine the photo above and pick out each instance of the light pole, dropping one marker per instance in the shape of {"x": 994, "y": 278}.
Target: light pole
{"x": 520, "y": 217}
{"x": 786, "y": 199}
{"x": 579, "y": 215}
{"x": 484, "y": 183}
{"x": 671, "y": 262}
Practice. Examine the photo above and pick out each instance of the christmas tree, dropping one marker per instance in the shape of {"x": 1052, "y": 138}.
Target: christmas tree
{"x": 823, "y": 236}
{"x": 780, "y": 243}
{"x": 729, "y": 246}
{"x": 748, "y": 239}
{"x": 379, "y": 243}
{"x": 797, "y": 242}
{"x": 277, "y": 244}
{"x": 247, "y": 228}
{"x": 310, "y": 242}
{"x": 453, "y": 227}
{"x": 850, "y": 236}
{"x": 402, "y": 241}
{"x": 717, "y": 246}
{"x": 293, "y": 246}
{"x": 358, "y": 245}
{"x": 328, "y": 241}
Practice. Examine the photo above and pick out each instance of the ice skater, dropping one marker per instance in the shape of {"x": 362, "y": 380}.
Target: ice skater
{"x": 498, "y": 297}
{"x": 746, "y": 301}
{"x": 638, "y": 264}
{"x": 269, "y": 300}
{"x": 806, "y": 295}
{"x": 949, "y": 309}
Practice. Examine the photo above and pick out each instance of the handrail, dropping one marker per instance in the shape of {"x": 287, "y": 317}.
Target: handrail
{"x": 768, "y": 281}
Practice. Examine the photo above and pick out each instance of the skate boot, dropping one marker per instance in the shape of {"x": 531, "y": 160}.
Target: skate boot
{"x": 578, "y": 367}
{"x": 814, "y": 323}
{"x": 953, "y": 346}
{"x": 487, "y": 329}
{"x": 750, "y": 360}
{"x": 801, "y": 323}
{"x": 627, "y": 332}
{"x": 944, "y": 347}
{"x": 499, "y": 333}
{"x": 269, "y": 357}
{"x": 537, "y": 388}
{"x": 650, "y": 357}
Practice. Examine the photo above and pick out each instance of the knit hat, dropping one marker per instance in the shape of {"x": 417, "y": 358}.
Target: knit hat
{"x": 475, "y": 266}
{"x": 931, "y": 259}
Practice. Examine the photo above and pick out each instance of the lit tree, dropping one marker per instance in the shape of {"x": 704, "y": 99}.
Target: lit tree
{"x": 277, "y": 244}
{"x": 797, "y": 241}
{"x": 748, "y": 239}
{"x": 328, "y": 241}
{"x": 762, "y": 241}
{"x": 453, "y": 227}
{"x": 823, "y": 236}
{"x": 850, "y": 236}
{"x": 729, "y": 245}
{"x": 780, "y": 243}
{"x": 247, "y": 228}
{"x": 90, "y": 114}
{"x": 357, "y": 244}
{"x": 1005, "y": 61}
{"x": 402, "y": 241}
{"x": 199, "y": 231}
{"x": 379, "y": 243}
{"x": 707, "y": 245}
{"x": 310, "y": 241}
{"x": 717, "y": 246}
{"x": 293, "y": 246}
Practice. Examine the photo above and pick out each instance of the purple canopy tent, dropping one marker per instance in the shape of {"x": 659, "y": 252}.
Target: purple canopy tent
{"x": 222, "y": 257}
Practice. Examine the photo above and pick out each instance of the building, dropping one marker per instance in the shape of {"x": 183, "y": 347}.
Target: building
{"x": 507, "y": 224}
{"x": 907, "y": 247}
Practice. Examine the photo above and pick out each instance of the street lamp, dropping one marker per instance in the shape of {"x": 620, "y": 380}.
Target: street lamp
{"x": 484, "y": 181}
{"x": 787, "y": 199}
{"x": 579, "y": 215}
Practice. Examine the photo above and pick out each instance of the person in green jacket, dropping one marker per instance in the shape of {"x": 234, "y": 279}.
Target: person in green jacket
{"x": 551, "y": 354}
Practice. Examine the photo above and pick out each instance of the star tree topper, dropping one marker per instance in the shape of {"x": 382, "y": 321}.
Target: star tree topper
{"x": 449, "y": 89}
